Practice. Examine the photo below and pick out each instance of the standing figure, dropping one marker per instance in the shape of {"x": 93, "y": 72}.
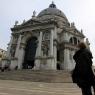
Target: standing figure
{"x": 82, "y": 74}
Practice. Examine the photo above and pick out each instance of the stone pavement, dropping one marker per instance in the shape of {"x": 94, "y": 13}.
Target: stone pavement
{"x": 9, "y": 87}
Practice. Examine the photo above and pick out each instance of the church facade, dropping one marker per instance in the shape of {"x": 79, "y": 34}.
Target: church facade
{"x": 45, "y": 42}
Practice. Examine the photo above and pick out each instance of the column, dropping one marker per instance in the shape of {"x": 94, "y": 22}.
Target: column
{"x": 21, "y": 57}
{"x": 55, "y": 48}
{"x": 51, "y": 44}
{"x": 66, "y": 63}
{"x": 20, "y": 52}
{"x": 18, "y": 45}
{"x": 9, "y": 47}
{"x": 38, "y": 53}
{"x": 52, "y": 61}
{"x": 55, "y": 34}
{"x": 55, "y": 54}
{"x": 40, "y": 44}
{"x": 8, "y": 60}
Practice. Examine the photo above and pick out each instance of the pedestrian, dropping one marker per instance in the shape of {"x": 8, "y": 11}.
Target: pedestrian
{"x": 82, "y": 74}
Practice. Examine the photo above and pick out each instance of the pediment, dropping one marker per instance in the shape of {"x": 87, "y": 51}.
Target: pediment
{"x": 77, "y": 32}
{"x": 74, "y": 31}
{"x": 30, "y": 22}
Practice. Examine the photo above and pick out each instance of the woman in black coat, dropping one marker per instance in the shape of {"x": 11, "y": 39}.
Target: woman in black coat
{"x": 82, "y": 74}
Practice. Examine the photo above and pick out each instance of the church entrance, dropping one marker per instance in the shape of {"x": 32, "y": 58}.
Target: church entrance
{"x": 30, "y": 52}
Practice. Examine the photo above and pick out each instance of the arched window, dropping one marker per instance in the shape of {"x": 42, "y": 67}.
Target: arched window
{"x": 71, "y": 40}
{"x": 75, "y": 40}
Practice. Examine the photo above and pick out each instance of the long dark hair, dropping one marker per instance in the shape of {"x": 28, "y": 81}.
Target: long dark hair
{"x": 82, "y": 45}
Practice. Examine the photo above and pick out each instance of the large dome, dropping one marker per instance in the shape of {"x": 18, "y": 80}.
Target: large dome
{"x": 52, "y": 11}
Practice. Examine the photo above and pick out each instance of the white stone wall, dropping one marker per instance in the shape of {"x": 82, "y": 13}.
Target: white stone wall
{"x": 50, "y": 62}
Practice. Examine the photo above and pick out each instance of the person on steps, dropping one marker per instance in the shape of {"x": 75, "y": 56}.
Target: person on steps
{"x": 82, "y": 74}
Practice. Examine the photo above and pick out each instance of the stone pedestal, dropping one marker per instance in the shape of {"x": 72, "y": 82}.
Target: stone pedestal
{"x": 51, "y": 44}
{"x": 37, "y": 64}
{"x": 21, "y": 57}
{"x": 13, "y": 64}
{"x": 47, "y": 63}
{"x": 66, "y": 64}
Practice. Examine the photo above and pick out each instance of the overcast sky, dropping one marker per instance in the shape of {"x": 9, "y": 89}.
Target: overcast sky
{"x": 81, "y": 12}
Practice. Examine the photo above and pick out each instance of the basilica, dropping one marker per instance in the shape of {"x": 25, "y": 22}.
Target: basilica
{"x": 47, "y": 41}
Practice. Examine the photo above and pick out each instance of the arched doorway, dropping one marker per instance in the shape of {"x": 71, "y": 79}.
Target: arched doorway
{"x": 30, "y": 52}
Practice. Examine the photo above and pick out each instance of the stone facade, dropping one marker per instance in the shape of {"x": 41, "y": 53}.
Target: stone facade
{"x": 45, "y": 42}
{"x": 2, "y": 54}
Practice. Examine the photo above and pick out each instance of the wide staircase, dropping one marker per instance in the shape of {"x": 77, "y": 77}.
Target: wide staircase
{"x": 37, "y": 75}
{"x": 32, "y": 82}
{"x": 8, "y": 87}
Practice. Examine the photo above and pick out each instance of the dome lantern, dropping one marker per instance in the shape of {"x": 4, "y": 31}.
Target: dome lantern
{"x": 52, "y": 5}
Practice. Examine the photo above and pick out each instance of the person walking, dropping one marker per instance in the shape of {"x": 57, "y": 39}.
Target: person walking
{"x": 82, "y": 74}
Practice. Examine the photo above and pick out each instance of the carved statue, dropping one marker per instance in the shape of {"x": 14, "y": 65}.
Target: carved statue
{"x": 34, "y": 13}
{"x": 87, "y": 41}
{"x": 24, "y": 21}
{"x": 72, "y": 24}
{"x": 81, "y": 31}
{"x": 45, "y": 48}
{"x": 16, "y": 22}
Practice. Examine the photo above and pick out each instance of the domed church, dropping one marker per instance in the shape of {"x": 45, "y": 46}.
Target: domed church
{"x": 47, "y": 41}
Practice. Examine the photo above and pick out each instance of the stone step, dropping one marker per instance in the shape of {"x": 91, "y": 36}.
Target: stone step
{"x": 37, "y": 75}
{"x": 37, "y": 88}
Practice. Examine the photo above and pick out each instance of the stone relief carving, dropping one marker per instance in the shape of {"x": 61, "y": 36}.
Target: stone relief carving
{"x": 45, "y": 43}
{"x": 46, "y": 36}
{"x": 45, "y": 48}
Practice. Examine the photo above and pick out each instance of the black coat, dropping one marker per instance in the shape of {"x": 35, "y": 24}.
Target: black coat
{"x": 83, "y": 74}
